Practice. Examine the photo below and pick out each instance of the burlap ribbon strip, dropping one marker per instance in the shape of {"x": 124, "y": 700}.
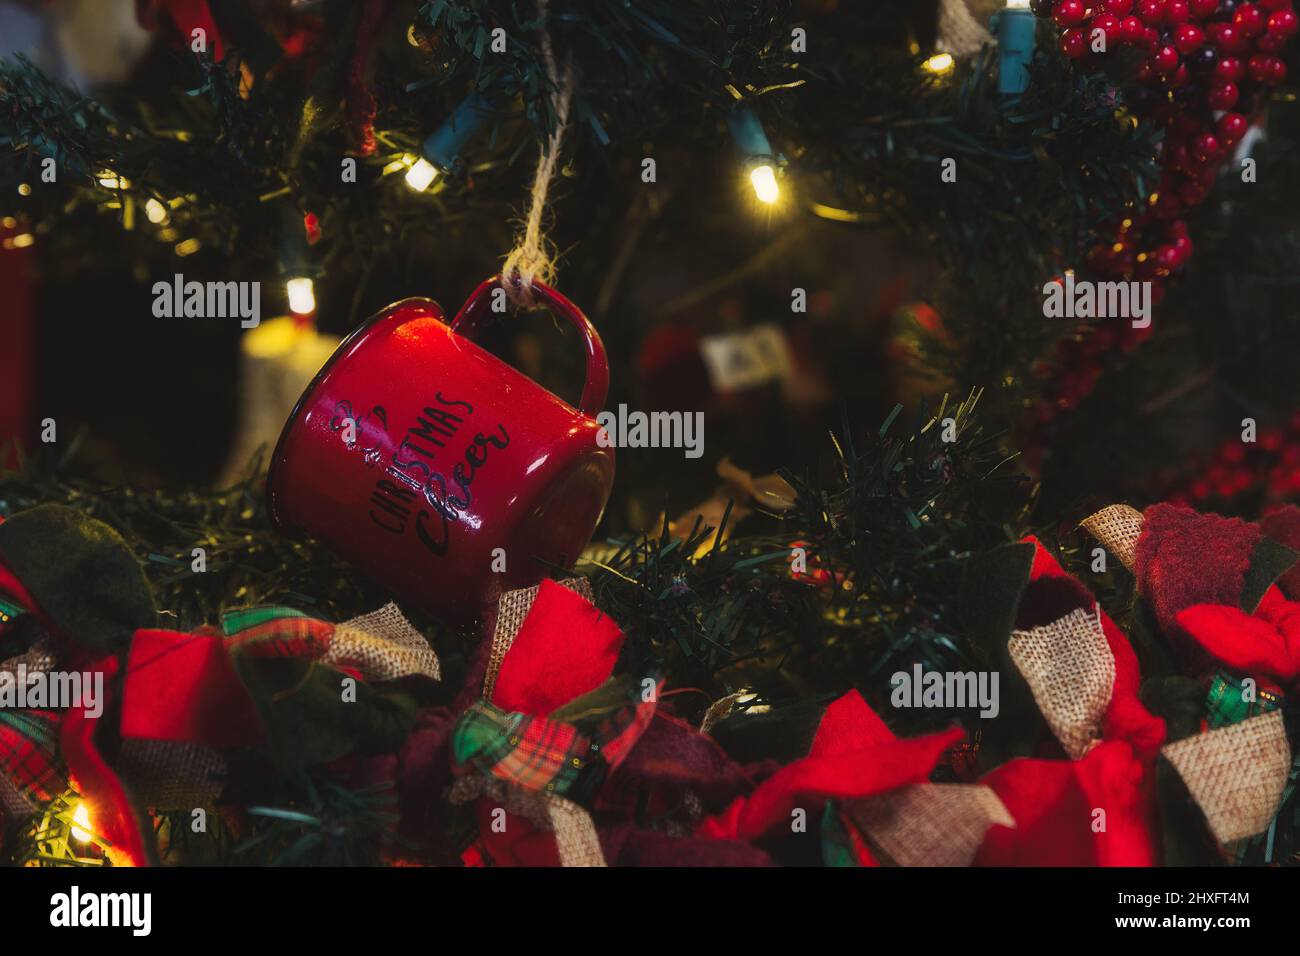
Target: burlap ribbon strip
{"x": 1236, "y": 774}
{"x": 39, "y": 659}
{"x": 1071, "y": 671}
{"x": 721, "y": 709}
{"x": 1118, "y": 528}
{"x": 384, "y": 645}
{"x": 167, "y": 775}
{"x": 930, "y": 824}
{"x": 14, "y": 804}
{"x": 575, "y": 832}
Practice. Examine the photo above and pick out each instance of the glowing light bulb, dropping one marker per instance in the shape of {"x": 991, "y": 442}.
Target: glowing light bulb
{"x": 111, "y": 180}
{"x": 421, "y": 174}
{"x": 763, "y": 179}
{"x": 156, "y": 211}
{"x": 302, "y": 295}
{"x": 939, "y": 64}
{"x": 81, "y": 824}
{"x": 1017, "y": 4}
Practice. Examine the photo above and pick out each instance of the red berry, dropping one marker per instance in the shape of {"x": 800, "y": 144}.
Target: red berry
{"x": 1151, "y": 11}
{"x": 1267, "y": 69}
{"x": 1223, "y": 97}
{"x": 1232, "y": 127}
{"x": 1205, "y": 147}
{"x": 1069, "y": 13}
{"x": 1131, "y": 31}
{"x": 1228, "y": 38}
{"x": 1250, "y": 20}
{"x": 1176, "y": 11}
{"x": 1119, "y": 8}
{"x": 1188, "y": 37}
{"x": 1275, "y": 4}
{"x": 1204, "y": 9}
{"x": 1283, "y": 22}
{"x": 1272, "y": 42}
{"x": 1165, "y": 60}
{"x": 1229, "y": 69}
{"x": 1074, "y": 43}
{"x": 1108, "y": 24}
{"x": 1166, "y": 258}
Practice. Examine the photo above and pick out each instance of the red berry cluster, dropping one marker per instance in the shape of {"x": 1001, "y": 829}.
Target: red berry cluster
{"x": 1206, "y": 65}
{"x": 1270, "y": 465}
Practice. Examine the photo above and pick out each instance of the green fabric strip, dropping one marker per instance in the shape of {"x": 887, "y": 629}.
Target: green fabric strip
{"x": 81, "y": 574}
{"x": 233, "y": 622}
{"x": 1226, "y": 701}
{"x": 10, "y": 609}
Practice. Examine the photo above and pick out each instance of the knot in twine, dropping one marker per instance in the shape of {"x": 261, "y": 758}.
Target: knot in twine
{"x": 530, "y": 260}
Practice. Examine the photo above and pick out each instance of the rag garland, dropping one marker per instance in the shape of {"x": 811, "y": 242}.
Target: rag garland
{"x": 555, "y": 752}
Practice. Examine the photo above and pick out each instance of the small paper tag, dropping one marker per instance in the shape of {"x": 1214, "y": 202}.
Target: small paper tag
{"x": 747, "y": 359}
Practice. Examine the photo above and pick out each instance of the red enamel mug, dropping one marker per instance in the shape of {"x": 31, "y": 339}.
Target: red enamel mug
{"x": 433, "y": 465}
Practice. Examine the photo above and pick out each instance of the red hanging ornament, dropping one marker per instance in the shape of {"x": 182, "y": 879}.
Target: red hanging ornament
{"x": 439, "y": 469}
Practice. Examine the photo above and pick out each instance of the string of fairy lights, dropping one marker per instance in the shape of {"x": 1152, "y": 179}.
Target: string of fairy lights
{"x": 439, "y": 159}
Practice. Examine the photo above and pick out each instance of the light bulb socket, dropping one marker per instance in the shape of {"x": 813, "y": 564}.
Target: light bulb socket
{"x": 444, "y": 145}
{"x": 750, "y": 138}
{"x": 1015, "y": 28}
{"x": 295, "y": 255}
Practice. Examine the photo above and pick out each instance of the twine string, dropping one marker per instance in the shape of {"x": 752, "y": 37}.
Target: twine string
{"x": 530, "y": 260}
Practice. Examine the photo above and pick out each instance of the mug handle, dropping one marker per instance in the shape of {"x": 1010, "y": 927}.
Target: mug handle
{"x": 476, "y": 312}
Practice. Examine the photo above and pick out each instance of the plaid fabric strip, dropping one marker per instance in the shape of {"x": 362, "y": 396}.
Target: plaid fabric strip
{"x": 617, "y": 733}
{"x": 10, "y": 609}
{"x": 531, "y": 752}
{"x": 1226, "y": 703}
{"x": 31, "y": 773}
{"x": 275, "y": 632}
